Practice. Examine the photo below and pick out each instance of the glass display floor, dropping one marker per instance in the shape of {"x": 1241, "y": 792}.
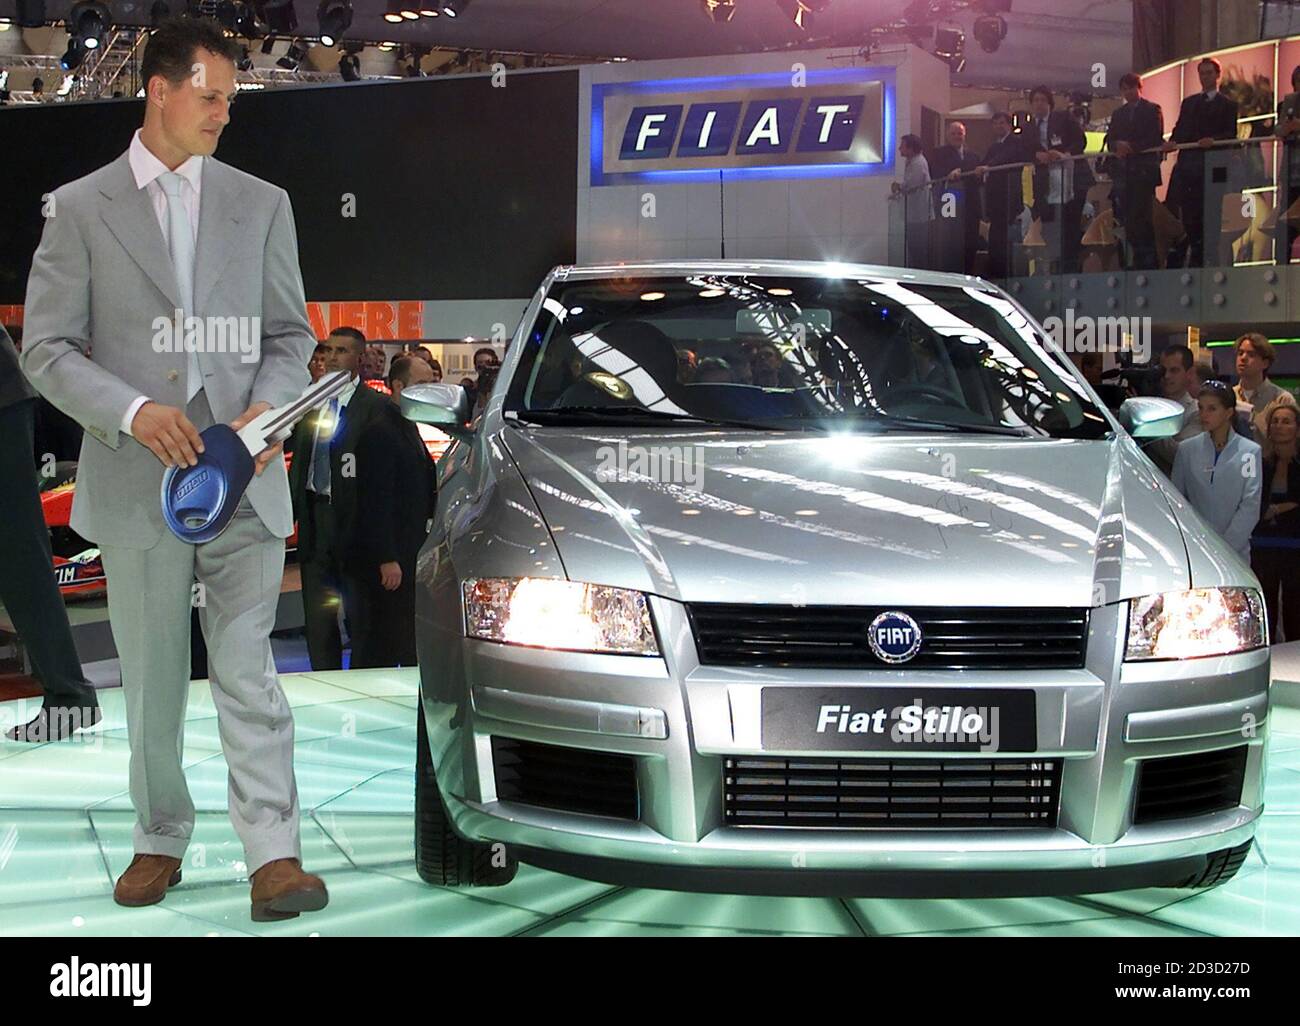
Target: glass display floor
{"x": 65, "y": 836}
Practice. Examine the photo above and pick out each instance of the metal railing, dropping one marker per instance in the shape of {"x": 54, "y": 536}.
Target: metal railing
{"x": 1223, "y": 203}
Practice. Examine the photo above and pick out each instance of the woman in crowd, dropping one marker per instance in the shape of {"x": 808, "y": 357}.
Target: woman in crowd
{"x": 1275, "y": 547}
{"x": 1219, "y": 471}
{"x": 1256, "y": 395}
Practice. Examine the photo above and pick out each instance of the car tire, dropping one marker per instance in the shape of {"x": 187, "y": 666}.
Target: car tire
{"x": 1220, "y": 867}
{"x": 442, "y": 857}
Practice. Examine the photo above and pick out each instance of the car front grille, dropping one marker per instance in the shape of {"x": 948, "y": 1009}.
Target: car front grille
{"x": 568, "y": 779}
{"x": 1180, "y": 786}
{"x": 836, "y": 636}
{"x": 952, "y": 794}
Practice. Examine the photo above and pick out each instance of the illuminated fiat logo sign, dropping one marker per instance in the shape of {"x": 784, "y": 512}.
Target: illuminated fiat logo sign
{"x": 894, "y": 637}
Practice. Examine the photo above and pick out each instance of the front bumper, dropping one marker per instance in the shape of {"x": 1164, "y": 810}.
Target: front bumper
{"x": 680, "y": 720}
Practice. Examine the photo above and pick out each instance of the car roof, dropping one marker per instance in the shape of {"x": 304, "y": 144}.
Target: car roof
{"x": 787, "y": 268}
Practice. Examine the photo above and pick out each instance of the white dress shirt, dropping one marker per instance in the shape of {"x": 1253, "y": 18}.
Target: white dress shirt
{"x": 146, "y": 168}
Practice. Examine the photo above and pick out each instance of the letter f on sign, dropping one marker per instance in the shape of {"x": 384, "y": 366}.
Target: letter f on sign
{"x": 649, "y": 129}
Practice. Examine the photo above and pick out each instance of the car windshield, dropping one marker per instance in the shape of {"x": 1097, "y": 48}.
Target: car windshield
{"x": 775, "y": 352}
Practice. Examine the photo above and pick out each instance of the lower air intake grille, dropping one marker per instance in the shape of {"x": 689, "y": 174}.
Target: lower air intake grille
{"x": 568, "y": 779}
{"x": 1190, "y": 785}
{"x": 950, "y": 794}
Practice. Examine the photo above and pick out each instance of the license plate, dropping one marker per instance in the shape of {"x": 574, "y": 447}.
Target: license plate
{"x": 899, "y": 719}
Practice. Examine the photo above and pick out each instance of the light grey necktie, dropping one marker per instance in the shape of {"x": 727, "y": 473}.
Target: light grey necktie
{"x": 180, "y": 244}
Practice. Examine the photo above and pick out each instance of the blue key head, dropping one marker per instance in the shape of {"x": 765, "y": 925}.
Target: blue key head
{"x": 199, "y": 501}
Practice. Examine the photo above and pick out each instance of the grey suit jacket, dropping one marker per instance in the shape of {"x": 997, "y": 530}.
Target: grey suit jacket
{"x": 13, "y": 386}
{"x": 100, "y": 279}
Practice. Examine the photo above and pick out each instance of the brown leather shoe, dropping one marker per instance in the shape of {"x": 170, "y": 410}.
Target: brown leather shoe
{"x": 146, "y": 880}
{"x": 281, "y": 890}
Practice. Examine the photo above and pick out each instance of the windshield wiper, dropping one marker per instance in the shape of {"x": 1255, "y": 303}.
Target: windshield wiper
{"x": 890, "y": 422}
{"x": 626, "y": 414}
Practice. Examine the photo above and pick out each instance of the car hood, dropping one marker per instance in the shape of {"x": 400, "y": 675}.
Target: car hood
{"x": 742, "y": 516}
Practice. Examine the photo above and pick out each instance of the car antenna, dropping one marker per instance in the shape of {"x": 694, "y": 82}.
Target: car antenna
{"x": 722, "y": 220}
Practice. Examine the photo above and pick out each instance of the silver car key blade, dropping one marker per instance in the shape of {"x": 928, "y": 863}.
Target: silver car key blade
{"x": 274, "y": 425}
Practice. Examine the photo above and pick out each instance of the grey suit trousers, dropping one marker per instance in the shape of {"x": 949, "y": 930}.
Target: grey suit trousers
{"x": 150, "y": 592}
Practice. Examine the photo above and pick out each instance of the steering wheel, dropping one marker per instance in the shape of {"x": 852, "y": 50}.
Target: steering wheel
{"x": 945, "y": 395}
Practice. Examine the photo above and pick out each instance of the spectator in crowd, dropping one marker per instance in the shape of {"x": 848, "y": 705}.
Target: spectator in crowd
{"x": 396, "y": 489}
{"x": 713, "y": 370}
{"x": 1218, "y": 471}
{"x": 958, "y": 230}
{"x": 1054, "y": 136}
{"x": 1175, "y": 370}
{"x": 918, "y": 211}
{"x": 27, "y": 586}
{"x": 686, "y": 361}
{"x": 1275, "y": 547}
{"x": 485, "y": 358}
{"x": 1002, "y": 191}
{"x": 487, "y": 379}
{"x": 1137, "y": 126}
{"x": 38, "y": 89}
{"x": 1202, "y": 371}
{"x": 770, "y": 370}
{"x": 1204, "y": 117}
{"x": 373, "y": 362}
{"x": 434, "y": 365}
{"x": 1256, "y": 395}
{"x": 316, "y": 365}
{"x": 1288, "y": 179}
{"x": 323, "y": 483}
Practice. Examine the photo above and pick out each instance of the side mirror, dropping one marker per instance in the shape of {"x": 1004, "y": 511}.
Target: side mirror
{"x": 446, "y": 407}
{"x": 1149, "y": 417}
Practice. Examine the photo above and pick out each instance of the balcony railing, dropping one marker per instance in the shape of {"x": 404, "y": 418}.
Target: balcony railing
{"x": 1228, "y": 203}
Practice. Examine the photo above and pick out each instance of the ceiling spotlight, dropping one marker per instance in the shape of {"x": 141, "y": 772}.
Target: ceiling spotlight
{"x": 350, "y": 67}
{"x": 268, "y": 44}
{"x": 393, "y": 15}
{"x": 73, "y": 56}
{"x": 88, "y": 23}
{"x": 293, "y": 56}
{"x": 335, "y": 18}
{"x": 950, "y": 46}
{"x": 990, "y": 30}
{"x": 801, "y": 11}
{"x": 719, "y": 11}
{"x": 428, "y": 10}
{"x": 280, "y": 16}
{"x": 454, "y": 8}
{"x": 30, "y": 13}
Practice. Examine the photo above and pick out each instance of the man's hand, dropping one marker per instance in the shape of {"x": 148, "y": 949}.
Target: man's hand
{"x": 1168, "y": 146}
{"x": 1205, "y": 142}
{"x": 168, "y": 433}
{"x": 271, "y": 451}
{"x": 390, "y": 576}
{"x": 1124, "y": 148}
{"x": 982, "y": 171}
{"x": 954, "y": 174}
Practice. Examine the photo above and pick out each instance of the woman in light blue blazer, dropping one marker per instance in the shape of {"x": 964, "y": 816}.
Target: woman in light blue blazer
{"x": 1219, "y": 471}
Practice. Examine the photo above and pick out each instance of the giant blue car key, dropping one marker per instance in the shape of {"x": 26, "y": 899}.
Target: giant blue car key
{"x": 199, "y": 501}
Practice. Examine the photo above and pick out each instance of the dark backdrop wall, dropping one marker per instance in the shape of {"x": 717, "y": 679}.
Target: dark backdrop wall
{"x": 463, "y": 191}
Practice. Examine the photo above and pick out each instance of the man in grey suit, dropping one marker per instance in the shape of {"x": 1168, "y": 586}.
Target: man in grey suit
{"x": 167, "y": 235}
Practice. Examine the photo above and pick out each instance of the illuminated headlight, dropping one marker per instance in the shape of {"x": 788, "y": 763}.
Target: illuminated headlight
{"x": 1200, "y": 622}
{"x": 548, "y": 613}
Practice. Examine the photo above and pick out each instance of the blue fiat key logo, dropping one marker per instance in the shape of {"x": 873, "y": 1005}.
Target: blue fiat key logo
{"x": 894, "y": 637}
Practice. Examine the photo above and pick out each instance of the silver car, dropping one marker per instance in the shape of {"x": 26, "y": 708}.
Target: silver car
{"x": 802, "y": 578}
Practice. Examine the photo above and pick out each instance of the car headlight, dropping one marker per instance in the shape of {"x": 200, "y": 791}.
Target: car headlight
{"x": 1200, "y": 622}
{"x": 549, "y": 613}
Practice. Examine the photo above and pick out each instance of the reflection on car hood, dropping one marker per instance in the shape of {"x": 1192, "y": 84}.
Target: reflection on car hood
{"x": 737, "y": 516}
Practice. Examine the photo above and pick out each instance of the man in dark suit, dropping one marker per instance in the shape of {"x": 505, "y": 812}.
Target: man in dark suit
{"x": 1053, "y": 136}
{"x": 1002, "y": 191}
{"x": 27, "y": 587}
{"x": 1136, "y": 126}
{"x": 396, "y": 489}
{"x": 960, "y": 215}
{"x": 323, "y": 484}
{"x": 1203, "y": 118}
